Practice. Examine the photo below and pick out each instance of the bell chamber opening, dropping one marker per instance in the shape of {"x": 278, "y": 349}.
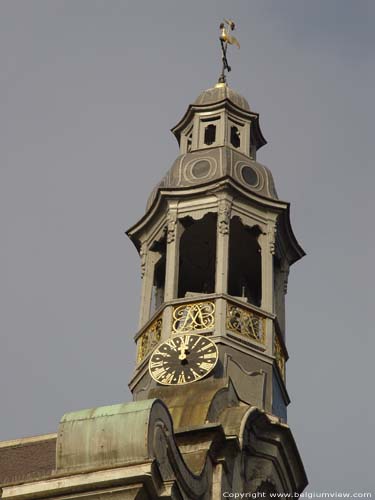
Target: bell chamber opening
{"x": 245, "y": 276}
{"x": 197, "y": 256}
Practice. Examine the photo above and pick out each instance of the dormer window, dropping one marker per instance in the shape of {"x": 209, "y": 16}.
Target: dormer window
{"x": 209, "y": 131}
{"x": 187, "y": 140}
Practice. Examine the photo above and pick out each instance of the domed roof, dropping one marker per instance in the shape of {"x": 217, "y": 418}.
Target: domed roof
{"x": 193, "y": 169}
{"x": 220, "y": 92}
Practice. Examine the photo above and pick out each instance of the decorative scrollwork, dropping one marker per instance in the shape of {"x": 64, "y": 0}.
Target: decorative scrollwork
{"x": 143, "y": 255}
{"x": 245, "y": 322}
{"x": 224, "y": 211}
{"x": 272, "y": 239}
{"x": 149, "y": 338}
{"x": 279, "y": 356}
{"x": 171, "y": 227}
{"x": 193, "y": 317}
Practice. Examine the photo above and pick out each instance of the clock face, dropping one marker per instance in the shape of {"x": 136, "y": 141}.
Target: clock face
{"x": 183, "y": 359}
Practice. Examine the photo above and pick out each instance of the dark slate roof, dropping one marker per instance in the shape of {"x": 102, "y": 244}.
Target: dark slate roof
{"x": 26, "y": 459}
{"x": 208, "y": 165}
{"x": 219, "y": 93}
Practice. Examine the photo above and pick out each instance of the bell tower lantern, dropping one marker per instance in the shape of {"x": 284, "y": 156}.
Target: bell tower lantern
{"x": 206, "y": 125}
{"x": 216, "y": 245}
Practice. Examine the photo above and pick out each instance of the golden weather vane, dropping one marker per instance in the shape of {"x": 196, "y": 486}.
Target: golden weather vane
{"x": 225, "y": 37}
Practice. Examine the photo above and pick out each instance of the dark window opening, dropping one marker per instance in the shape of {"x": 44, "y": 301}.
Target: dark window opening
{"x": 197, "y": 256}
{"x": 189, "y": 143}
{"x": 159, "y": 275}
{"x": 235, "y": 137}
{"x": 245, "y": 263}
{"x": 210, "y": 134}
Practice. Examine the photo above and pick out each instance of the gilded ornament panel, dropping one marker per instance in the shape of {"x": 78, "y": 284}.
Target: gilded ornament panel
{"x": 246, "y": 323}
{"x": 193, "y": 317}
{"x": 279, "y": 355}
{"x": 149, "y": 338}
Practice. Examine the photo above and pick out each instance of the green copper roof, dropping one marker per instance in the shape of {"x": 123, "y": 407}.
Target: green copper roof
{"x": 109, "y": 436}
{"x": 107, "y": 411}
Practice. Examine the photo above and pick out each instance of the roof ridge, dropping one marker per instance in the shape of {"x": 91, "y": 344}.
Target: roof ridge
{"x": 12, "y": 443}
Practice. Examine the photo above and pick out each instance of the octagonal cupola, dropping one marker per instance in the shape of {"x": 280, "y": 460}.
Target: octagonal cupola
{"x": 220, "y": 117}
{"x": 216, "y": 245}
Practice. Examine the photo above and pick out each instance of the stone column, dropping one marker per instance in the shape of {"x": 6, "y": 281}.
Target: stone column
{"x": 147, "y": 275}
{"x": 174, "y": 232}
{"x": 267, "y": 244}
{"x": 222, "y": 260}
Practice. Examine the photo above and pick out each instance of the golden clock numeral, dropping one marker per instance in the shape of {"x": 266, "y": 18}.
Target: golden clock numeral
{"x": 162, "y": 354}
{"x": 168, "y": 377}
{"x": 171, "y": 344}
{"x": 196, "y": 342}
{"x": 155, "y": 364}
{"x": 195, "y": 374}
{"x": 208, "y": 355}
{"x": 205, "y": 365}
{"x": 181, "y": 378}
{"x": 158, "y": 372}
{"x": 204, "y": 348}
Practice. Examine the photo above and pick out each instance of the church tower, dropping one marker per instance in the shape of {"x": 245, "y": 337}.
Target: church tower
{"x": 216, "y": 245}
{"x": 208, "y": 418}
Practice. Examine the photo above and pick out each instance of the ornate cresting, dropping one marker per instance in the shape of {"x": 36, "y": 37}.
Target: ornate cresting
{"x": 279, "y": 356}
{"x": 194, "y": 316}
{"x": 149, "y": 338}
{"x": 245, "y": 322}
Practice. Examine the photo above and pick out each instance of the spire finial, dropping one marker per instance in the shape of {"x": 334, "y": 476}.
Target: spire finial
{"x": 225, "y": 37}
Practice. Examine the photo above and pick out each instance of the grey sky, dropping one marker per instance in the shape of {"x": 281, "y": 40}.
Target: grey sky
{"x": 84, "y": 85}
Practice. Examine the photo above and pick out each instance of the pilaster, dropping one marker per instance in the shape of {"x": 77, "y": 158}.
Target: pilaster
{"x": 174, "y": 233}
{"x": 222, "y": 258}
{"x": 147, "y": 271}
{"x": 267, "y": 244}
{"x": 222, "y": 243}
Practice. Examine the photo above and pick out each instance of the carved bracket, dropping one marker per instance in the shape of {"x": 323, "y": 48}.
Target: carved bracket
{"x": 285, "y": 272}
{"x": 223, "y": 216}
{"x": 143, "y": 256}
{"x": 171, "y": 226}
{"x": 272, "y": 239}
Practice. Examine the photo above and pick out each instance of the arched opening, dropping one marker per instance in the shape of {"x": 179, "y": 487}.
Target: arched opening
{"x": 210, "y": 134}
{"x": 197, "y": 256}
{"x": 245, "y": 260}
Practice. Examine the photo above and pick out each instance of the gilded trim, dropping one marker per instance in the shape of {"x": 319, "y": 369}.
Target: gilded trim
{"x": 246, "y": 323}
{"x": 149, "y": 338}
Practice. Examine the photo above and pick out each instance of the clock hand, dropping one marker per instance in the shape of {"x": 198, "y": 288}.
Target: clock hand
{"x": 182, "y": 350}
